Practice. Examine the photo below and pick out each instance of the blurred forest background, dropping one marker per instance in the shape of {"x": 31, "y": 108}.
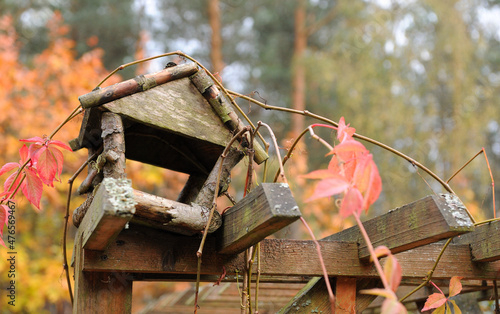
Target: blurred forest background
{"x": 421, "y": 76}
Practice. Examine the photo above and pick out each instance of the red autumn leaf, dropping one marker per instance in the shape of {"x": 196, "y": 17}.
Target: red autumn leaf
{"x": 455, "y": 286}
{"x": 393, "y": 272}
{"x": 8, "y": 167}
{"x": 434, "y": 301}
{"x": 329, "y": 187}
{"x": 60, "y": 144}
{"x": 320, "y": 174}
{"x": 391, "y": 306}
{"x": 47, "y": 158}
{"x": 344, "y": 131}
{"x": 46, "y": 165}
{"x": 8, "y": 183}
{"x": 32, "y": 187}
{"x": 367, "y": 180}
{"x": 352, "y": 202}
{"x": 381, "y": 251}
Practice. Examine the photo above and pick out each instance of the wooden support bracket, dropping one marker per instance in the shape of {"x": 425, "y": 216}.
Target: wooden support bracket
{"x": 265, "y": 210}
{"x": 425, "y": 221}
{"x": 484, "y": 242}
{"x": 112, "y": 208}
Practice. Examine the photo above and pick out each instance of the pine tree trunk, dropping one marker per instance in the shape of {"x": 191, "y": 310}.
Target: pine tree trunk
{"x": 216, "y": 40}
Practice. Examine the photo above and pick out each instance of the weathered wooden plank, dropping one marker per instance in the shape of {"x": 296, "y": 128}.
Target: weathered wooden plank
{"x": 139, "y": 250}
{"x": 176, "y": 107}
{"x": 425, "y": 221}
{"x": 221, "y": 105}
{"x": 161, "y": 213}
{"x": 111, "y": 209}
{"x": 484, "y": 242}
{"x": 265, "y": 210}
{"x": 138, "y": 84}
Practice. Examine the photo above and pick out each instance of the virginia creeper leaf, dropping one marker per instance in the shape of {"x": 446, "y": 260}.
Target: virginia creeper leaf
{"x": 455, "y": 286}
{"x": 456, "y": 309}
{"x": 391, "y": 306}
{"x": 380, "y": 292}
{"x": 60, "y": 144}
{"x": 344, "y": 131}
{"x": 352, "y": 202}
{"x": 434, "y": 301}
{"x": 329, "y": 187}
{"x": 8, "y": 167}
{"x": 32, "y": 187}
{"x": 320, "y": 174}
{"x": 46, "y": 166}
{"x": 381, "y": 251}
{"x": 33, "y": 140}
{"x": 8, "y": 183}
{"x": 393, "y": 272}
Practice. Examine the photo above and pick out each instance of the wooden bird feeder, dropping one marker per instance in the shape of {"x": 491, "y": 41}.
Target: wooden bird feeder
{"x": 178, "y": 119}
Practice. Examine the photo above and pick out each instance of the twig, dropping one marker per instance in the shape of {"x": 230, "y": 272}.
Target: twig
{"x": 199, "y": 253}
{"x": 430, "y": 273}
{"x": 318, "y": 248}
{"x": 356, "y": 135}
{"x": 331, "y": 296}
{"x": 66, "y": 218}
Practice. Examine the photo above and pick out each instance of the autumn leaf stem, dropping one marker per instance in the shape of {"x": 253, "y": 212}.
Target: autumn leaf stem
{"x": 275, "y": 143}
{"x": 290, "y": 152}
{"x": 331, "y": 296}
{"x": 66, "y": 219}
{"x": 372, "y": 251}
{"x": 319, "y": 139}
{"x": 429, "y": 274}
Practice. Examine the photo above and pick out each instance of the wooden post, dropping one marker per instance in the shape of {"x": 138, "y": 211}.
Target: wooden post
{"x": 345, "y": 295}
{"x": 112, "y": 208}
{"x": 114, "y": 145}
{"x": 100, "y": 292}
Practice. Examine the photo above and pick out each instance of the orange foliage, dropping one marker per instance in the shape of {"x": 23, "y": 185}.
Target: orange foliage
{"x": 34, "y": 100}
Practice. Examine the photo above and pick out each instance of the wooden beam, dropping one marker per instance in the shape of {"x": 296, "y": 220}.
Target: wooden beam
{"x": 161, "y": 213}
{"x": 484, "y": 242}
{"x": 265, "y": 210}
{"x": 111, "y": 209}
{"x": 138, "y": 84}
{"x": 425, "y": 221}
{"x": 143, "y": 250}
